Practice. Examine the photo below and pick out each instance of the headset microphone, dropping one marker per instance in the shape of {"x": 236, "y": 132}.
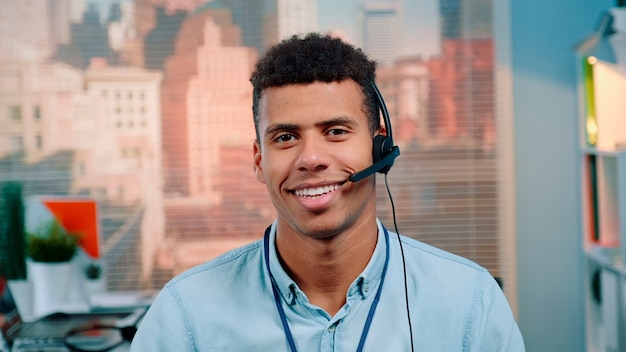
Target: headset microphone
{"x": 384, "y": 152}
{"x": 378, "y": 166}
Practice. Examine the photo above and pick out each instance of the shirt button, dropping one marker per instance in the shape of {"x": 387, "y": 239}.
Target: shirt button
{"x": 332, "y": 328}
{"x": 288, "y": 295}
{"x": 366, "y": 287}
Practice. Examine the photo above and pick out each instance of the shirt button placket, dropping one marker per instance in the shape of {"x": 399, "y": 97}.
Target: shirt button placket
{"x": 328, "y": 338}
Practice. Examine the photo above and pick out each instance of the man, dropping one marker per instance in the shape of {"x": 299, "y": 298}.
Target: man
{"x": 327, "y": 276}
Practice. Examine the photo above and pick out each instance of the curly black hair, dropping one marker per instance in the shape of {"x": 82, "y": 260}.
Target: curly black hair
{"x": 310, "y": 58}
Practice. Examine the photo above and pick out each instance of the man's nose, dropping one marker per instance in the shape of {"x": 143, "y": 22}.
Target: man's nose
{"x": 313, "y": 154}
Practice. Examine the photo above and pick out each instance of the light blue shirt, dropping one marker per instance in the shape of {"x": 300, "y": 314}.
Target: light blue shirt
{"x": 227, "y": 304}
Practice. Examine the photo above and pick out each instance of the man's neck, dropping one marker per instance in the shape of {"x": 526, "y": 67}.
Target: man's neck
{"x": 325, "y": 269}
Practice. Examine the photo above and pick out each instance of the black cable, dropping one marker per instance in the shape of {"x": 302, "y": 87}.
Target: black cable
{"x": 406, "y": 288}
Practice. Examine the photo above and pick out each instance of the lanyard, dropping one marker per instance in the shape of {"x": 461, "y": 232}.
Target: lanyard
{"x": 281, "y": 311}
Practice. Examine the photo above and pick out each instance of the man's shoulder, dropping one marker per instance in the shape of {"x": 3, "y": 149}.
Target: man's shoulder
{"x": 445, "y": 273}
{"x": 428, "y": 254}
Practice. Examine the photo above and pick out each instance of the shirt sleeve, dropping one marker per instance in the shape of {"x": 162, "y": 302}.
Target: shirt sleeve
{"x": 492, "y": 325}
{"x": 164, "y": 327}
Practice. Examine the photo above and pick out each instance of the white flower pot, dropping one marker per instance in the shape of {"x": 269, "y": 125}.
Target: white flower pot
{"x": 94, "y": 287}
{"x": 50, "y": 285}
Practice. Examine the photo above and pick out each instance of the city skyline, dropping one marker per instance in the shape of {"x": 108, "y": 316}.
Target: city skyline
{"x": 157, "y": 100}
{"x": 420, "y": 22}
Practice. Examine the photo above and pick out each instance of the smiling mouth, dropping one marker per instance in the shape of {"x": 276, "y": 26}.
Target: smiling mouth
{"x": 316, "y": 191}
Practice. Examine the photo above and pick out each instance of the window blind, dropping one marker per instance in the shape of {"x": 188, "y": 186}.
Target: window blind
{"x": 145, "y": 106}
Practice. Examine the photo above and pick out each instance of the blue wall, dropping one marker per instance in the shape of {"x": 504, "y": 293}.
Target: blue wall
{"x": 548, "y": 225}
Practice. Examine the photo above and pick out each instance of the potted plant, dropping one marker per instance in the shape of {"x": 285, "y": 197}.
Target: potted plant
{"x": 50, "y": 249}
{"x": 94, "y": 281}
{"x": 52, "y": 244}
{"x": 93, "y": 271}
{"x": 13, "y": 246}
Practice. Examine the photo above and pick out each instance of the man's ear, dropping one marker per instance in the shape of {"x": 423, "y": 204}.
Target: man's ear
{"x": 258, "y": 157}
{"x": 382, "y": 129}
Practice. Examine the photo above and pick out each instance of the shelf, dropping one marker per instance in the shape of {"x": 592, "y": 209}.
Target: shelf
{"x": 605, "y": 305}
{"x": 603, "y": 188}
{"x": 606, "y": 258}
{"x": 605, "y": 107}
{"x": 604, "y": 200}
{"x": 603, "y": 152}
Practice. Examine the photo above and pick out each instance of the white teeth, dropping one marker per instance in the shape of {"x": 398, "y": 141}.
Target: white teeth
{"x": 315, "y": 192}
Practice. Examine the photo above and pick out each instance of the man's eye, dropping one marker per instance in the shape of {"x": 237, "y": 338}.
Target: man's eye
{"x": 285, "y": 138}
{"x": 337, "y": 132}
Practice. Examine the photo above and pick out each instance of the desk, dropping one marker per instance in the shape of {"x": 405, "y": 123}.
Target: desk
{"x": 57, "y": 333}
{"x": 131, "y": 305}
{"x": 99, "y": 303}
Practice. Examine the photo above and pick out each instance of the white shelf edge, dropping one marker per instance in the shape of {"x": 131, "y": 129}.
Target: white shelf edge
{"x": 603, "y": 152}
{"x": 607, "y": 258}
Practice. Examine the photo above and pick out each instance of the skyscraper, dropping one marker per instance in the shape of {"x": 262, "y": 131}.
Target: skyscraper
{"x": 205, "y": 101}
{"x": 380, "y": 30}
{"x": 462, "y": 95}
{"x": 468, "y": 19}
{"x": 283, "y": 18}
{"x": 296, "y": 16}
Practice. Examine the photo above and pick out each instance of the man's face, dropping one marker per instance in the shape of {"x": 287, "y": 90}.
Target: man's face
{"x": 312, "y": 137}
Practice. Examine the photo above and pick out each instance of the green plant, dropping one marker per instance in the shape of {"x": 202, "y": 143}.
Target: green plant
{"x": 12, "y": 234}
{"x": 93, "y": 271}
{"x": 51, "y": 243}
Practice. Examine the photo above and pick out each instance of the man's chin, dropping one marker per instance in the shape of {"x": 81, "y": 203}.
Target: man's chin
{"x": 322, "y": 231}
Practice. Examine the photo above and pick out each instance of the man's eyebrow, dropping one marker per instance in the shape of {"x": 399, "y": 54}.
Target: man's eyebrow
{"x": 287, "y": 127}
{"x": 281, "y": 127}
{"x": 342, "y": 120}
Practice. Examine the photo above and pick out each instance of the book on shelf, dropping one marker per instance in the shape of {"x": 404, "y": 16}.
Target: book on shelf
{"x": 591, "y": 124}
{"x": 600, "y": 200}
{"x": 592, "y": 199}
{"x": 605, "y": 105}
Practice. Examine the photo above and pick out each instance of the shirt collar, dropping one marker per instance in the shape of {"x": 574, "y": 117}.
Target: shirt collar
{"x": 364, "y": 285}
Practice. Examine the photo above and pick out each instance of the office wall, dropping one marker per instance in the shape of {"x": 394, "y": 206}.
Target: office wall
{"x": 545, "y": 129}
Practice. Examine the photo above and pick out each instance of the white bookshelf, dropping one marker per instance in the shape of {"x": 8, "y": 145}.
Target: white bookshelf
{"x": 602, "y": 87}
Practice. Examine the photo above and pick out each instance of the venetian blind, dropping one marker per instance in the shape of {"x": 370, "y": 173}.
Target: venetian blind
{"x": 144, "y": 106}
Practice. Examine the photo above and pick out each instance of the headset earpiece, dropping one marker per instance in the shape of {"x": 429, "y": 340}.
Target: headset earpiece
{"x": 384, "y": 152}
{"x": 383, "y": 145}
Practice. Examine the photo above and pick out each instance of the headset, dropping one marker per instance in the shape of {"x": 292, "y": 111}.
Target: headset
{"x": 384, "y": 152}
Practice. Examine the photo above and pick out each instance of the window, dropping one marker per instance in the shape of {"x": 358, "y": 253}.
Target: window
{"x": 37, "y": 112}
{"x": 446, "y": 183}
{"x": 39, "y": 142}
{"x": 17, "y": 143}
{"x": 15, "y": 112}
